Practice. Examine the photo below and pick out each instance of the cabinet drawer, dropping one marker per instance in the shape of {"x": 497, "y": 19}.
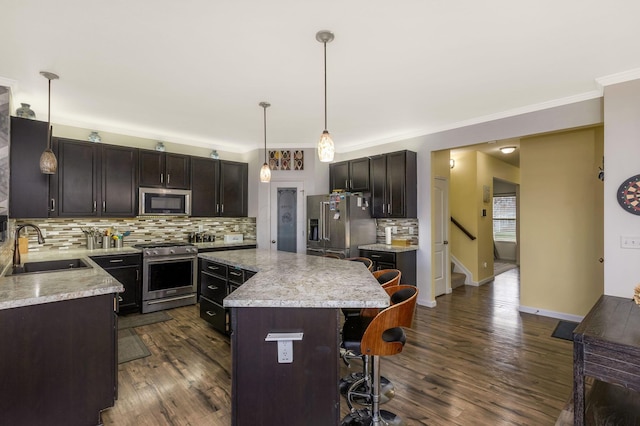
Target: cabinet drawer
{"x": 248, "y": 274}
{"x": 236, "y": 276}
{"x": 213, "y": 287}
{"x": 214, "y": 314}
{"x": 117, "y": 261}
{"x": 379, "y": 256}
{"x": 214, "y": 268}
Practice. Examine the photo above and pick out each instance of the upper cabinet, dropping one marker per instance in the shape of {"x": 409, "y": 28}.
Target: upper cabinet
{"x": 350, "y": 176}
{"x": 28, "y": 188}
{"x": 205, "y": 184}
{"x": 164, "y": 170}
{"x": 234, "y": 179}
{"x": 93, "y": 180}
{"x": 219, "y": 188}
{"x": 393, "y": 185}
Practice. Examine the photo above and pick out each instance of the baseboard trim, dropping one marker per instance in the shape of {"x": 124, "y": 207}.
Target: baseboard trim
{"x": 552, "y": 314}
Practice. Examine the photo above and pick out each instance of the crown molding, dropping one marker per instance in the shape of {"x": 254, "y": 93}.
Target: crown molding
{"x": 620, "y": 77}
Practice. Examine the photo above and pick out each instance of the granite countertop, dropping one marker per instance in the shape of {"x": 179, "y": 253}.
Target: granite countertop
{"x": 222, "y": 245}
{"x": 300, "y": 281}
{"x": 46, "y": 287}
{"x": 389, "y": 248}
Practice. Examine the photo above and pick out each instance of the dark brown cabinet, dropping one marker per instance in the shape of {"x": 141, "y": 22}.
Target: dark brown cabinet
{"x": 404, "y": 261}
{"x": 28, "y": 189}
{"x": 126, "y": 268}
{"x": 164, "y": 170}
{"x": 205, "y": 187}
{"x": 234, "y": 180}
{"x": 393, "y": 185}
{"x": 217, "y": 281}
{"x": 351, "y": 176}
{"x": 219, "y": 188}
{"x": 60, "y": 362}
{"x": 93, "y": 180}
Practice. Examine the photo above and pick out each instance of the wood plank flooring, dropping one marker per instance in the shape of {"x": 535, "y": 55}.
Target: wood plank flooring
{"x": 472, "y": 360}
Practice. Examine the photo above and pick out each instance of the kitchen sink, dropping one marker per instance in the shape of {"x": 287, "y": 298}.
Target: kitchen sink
{"x": 48, "y": 266}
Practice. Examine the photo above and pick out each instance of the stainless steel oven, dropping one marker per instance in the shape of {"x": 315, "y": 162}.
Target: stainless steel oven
{"x": 169, "y": 275}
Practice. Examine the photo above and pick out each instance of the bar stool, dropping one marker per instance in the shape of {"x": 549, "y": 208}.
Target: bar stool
{"x": 383, "y": 336}
{"x": 365, "y": 260}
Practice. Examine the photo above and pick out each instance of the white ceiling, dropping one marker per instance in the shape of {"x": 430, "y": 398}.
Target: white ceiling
{"x": 194, "y": 71}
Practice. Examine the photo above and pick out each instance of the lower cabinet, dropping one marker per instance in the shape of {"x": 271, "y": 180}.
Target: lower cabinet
{"x": 217, "y": 281}
{"x": 126, "y": 269}
{"x": 59, "y": 362}
{"x": 404, "y": 261}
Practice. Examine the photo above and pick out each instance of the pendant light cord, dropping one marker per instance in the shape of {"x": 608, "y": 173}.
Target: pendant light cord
{"x": 49, "y": 117}
{"x": 265, "y": 133}
{"x": 325, "y": 85}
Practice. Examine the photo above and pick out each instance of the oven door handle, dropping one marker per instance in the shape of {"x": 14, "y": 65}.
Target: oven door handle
{"x": 165, "y": 259}
{"x": 168, "y": 299}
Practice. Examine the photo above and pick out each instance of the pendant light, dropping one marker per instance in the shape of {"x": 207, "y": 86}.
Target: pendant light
{"x": 48, "y": 162}
{"x": 325, "y": 145}
{"x": 265, "y": 171}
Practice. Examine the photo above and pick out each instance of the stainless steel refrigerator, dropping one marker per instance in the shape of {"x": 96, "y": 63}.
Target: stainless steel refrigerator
{"x": 338, "y": 224}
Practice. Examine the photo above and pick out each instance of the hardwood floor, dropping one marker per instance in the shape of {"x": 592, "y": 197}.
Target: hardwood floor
{"x": 472, "y": 360}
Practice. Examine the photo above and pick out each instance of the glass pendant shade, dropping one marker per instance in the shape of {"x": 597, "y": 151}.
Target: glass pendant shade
{"x": 48, "y": 162}
{"x": 325, "y": 147}
{"x": 265, "y": 173}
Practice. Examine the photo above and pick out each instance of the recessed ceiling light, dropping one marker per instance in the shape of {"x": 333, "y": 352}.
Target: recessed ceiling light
{"x": 507, "y": 149}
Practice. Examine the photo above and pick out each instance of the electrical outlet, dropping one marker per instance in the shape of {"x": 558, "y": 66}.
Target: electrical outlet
{"x": 285, "y": 351}
{"x": 200, "y": 228}
{"x": 394, "y": 229}
{"x": 236, "y": 228}
{"x": 630, "y": 242}
{"x": 411, "y": 230}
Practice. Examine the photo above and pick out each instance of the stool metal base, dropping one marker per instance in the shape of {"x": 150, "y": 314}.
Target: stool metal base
{"x": 387, "y": 390}
{"x": 365, "y": 418}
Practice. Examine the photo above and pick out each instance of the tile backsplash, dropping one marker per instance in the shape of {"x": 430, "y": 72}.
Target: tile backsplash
{"x": 406, "y": 229}
{"x": 64, "y": 234}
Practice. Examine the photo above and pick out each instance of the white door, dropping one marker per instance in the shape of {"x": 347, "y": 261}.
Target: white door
{"x": 441, "y": 268}
{"x": 287, "y": 217}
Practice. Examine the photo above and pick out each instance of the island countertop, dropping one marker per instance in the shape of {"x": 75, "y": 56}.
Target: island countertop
{"x": 37, "y": 288}
{"x": 291, "y": 280}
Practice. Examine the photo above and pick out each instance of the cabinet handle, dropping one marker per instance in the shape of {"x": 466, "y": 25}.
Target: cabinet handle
{"x": 221, "y": 208}
{"x": 104, "y": 206}
{"x": 383, "y": 208}
{"x": 346, "y": 184}
{"x": 217, "y": 208}
{"x": 116, "y": 261}
{"x": 212, "y": 287}
{"x": 375, "y": 256}
{"x": 168, "y": 178}
{"x": 53, "y": 204}
{"x": 119, "y": 298}
{"x": 350, "y": 183}
{"x": 161, "y": 178}
{"x": 211, "y": 313}
{"x": 237, "y": 274}
{"x": 213, "y": 268}
{"x": 137, "y": 275}
{"x": 95, "y": 205}
{"x": 389, "y": 208}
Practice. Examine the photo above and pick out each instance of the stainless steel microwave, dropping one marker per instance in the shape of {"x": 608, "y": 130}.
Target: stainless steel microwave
{"x": 164, "y": 202}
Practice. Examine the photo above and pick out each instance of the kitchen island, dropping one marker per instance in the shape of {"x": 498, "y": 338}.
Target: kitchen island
{"x": 292, "y": 296}
{"x": 59, "y": 350}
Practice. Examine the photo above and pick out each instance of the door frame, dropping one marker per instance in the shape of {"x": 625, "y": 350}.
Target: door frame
{"x": 441, "y": 204}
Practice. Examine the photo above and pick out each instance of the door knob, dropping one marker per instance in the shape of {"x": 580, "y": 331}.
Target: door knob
{"x": 445, "y": 242}
{"x": 273, "y": 241}
{"x": 601, "y": 260}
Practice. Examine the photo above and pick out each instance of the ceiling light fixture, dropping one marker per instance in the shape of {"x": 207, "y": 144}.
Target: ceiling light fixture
{"x": 507, "y": 149}
{"x": 265, "y": 172}
{"x": 325, "y": 145}
{"x": 48, "y": 161}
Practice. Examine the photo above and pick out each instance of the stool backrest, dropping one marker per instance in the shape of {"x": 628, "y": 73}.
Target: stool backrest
{"x": 388, "y": 277}
{"x": 365, "y": 260}
{"x": 384, "y": 335}
{"x": 331, "y": 256}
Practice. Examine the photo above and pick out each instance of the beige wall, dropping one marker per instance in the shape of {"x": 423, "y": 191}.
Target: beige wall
{"x": 561, "y": 221}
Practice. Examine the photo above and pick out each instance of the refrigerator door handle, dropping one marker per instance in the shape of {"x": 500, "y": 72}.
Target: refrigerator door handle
{"x": 325, "y": 221}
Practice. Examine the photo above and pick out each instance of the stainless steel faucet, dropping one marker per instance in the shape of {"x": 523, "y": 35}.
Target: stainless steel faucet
{"x": 16, "y": 248}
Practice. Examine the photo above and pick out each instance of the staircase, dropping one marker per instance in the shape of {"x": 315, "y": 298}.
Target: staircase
{"x": 457, "y": 279}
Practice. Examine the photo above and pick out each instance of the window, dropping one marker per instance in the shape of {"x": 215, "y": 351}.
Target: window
{"x": 504, "y": 218}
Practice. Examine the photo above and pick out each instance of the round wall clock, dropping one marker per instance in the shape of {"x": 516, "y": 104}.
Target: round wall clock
{"x": 629, "y": 195}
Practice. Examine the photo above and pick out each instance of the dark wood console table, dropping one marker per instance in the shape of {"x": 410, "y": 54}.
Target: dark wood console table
{"x": 606, "y": 346}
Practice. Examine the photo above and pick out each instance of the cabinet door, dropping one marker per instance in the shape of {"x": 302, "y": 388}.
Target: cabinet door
{"x": 359, "y": 175}
{"x": 204, "y": 186}
{"x": 396, "y": 184}
{"x": 233, "y": 189}
{"x": 177, "y": 171}
{"x": 339, "y": 176}
{"x": 378, "y": 179}
{"x": 151, "y": 169}
{"x": 119, "y": 181}
{"x": 29, "y": 188}
{"x": 130, "y": 299}
{"x": 77, "y": 178}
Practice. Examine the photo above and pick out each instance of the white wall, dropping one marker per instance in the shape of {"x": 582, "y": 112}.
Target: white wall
{"x": 621, "y": 161}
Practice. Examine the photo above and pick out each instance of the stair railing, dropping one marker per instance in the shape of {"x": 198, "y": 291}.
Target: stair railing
{"x": 463, "y": 229}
